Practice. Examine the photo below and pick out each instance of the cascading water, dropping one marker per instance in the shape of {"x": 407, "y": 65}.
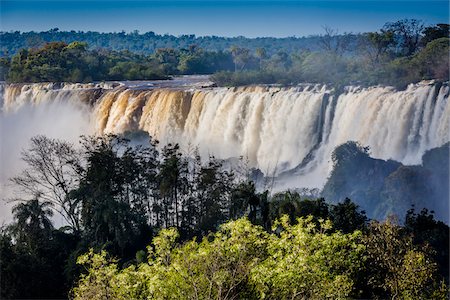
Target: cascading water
{"x": 14, "y": 96}
{"x": 56, "y": 110}
{"x": 275, "y": 128}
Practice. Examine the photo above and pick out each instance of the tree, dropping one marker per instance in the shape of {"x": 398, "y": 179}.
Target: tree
{"x": 244, "y": 197}
{"x": 334, "y": 43}
{"x": 305, "y": 261}
{"x": 431, "y": 235}
{"x": 35, "y": 41}
{"x": 99, "y": 282}
{"x": 172, "y": 184}
{"x": 32, "y": 222}
{"x": 408, "y": 33}
{"x": 112, "y": 214}
{"x": 377, "y": 44}
{"x": 432, "y": 33}
{"x": 80, "y": 46}
{"x": 261, "y": 54}
{"x": 4, "y": 67}
{"x": 168, "y": 58}
{"x": 53, "y": 170}
{"x": 279, "y": 62}
{"x": 241, "y": 57}
{"x": 291, "y": 204}
{"x": 394, "y": 264}
{"x": 34, "y": 254}
{"x": 214, "y": 188}
{"x": 433, "y": 61}
{"x": 284, "y": 204}
{"x": 347, "y": 217}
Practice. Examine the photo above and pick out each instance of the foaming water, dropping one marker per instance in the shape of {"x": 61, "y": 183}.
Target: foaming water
{"x": 277, "y": 129}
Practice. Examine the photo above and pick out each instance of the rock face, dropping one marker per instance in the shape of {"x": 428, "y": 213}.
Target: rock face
{"x": 383, "y": 187}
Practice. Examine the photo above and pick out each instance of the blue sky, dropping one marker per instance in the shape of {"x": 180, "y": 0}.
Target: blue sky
{"x": 223, "y": 18}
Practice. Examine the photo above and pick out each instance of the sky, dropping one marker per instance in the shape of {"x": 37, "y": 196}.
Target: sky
{"x": 222, "y": 18}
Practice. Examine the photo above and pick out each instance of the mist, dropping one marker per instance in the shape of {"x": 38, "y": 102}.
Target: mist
{"x": 62, "y": 120}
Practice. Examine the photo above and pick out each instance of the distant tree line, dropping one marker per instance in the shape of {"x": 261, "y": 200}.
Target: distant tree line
{"x": 147, "y": 43}
{"x": 400, "y": 53}
{"x": 58, "y": 61}
{"x": 118, "y": 197}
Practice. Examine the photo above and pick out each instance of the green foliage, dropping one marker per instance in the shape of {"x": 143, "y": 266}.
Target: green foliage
{"x": 227, "y": 78}
{"x": 57, "y": 61}
{"x": 397, "y": 266}
{"x": 435, "y": 32}
{"x": 218, "y": 267}
{"x": 378, "y": 44}
{"x": 99, "y": 282}
{"x": 199, "y": 61}
{"x": 291, "y": 204}
{"x": 347, "y": 217}
{"x": 433, "y": 60}
{"x": 417, "y": 271}
{"x": 305, "y": 262}
{"x": 240, "y": 260}
{"x": 4, "y": 67}
{"x": 430, "y": 235}
{"x": 214, "y": 188}
{"x": 110, "y": 194}
{"x": 245, "y": 196}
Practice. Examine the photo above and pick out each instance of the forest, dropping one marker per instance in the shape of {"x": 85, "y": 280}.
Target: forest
{"x": 400, "y": 53}
{"x": 163, "y": 224}
{"x": 61, "y": 62}
{"x": 147, "y": 43}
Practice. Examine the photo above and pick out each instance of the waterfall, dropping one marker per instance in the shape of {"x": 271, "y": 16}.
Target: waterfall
{"x": 276, "y": 129}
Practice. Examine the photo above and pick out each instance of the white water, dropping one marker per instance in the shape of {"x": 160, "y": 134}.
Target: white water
{"x": 275, "y": 128}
